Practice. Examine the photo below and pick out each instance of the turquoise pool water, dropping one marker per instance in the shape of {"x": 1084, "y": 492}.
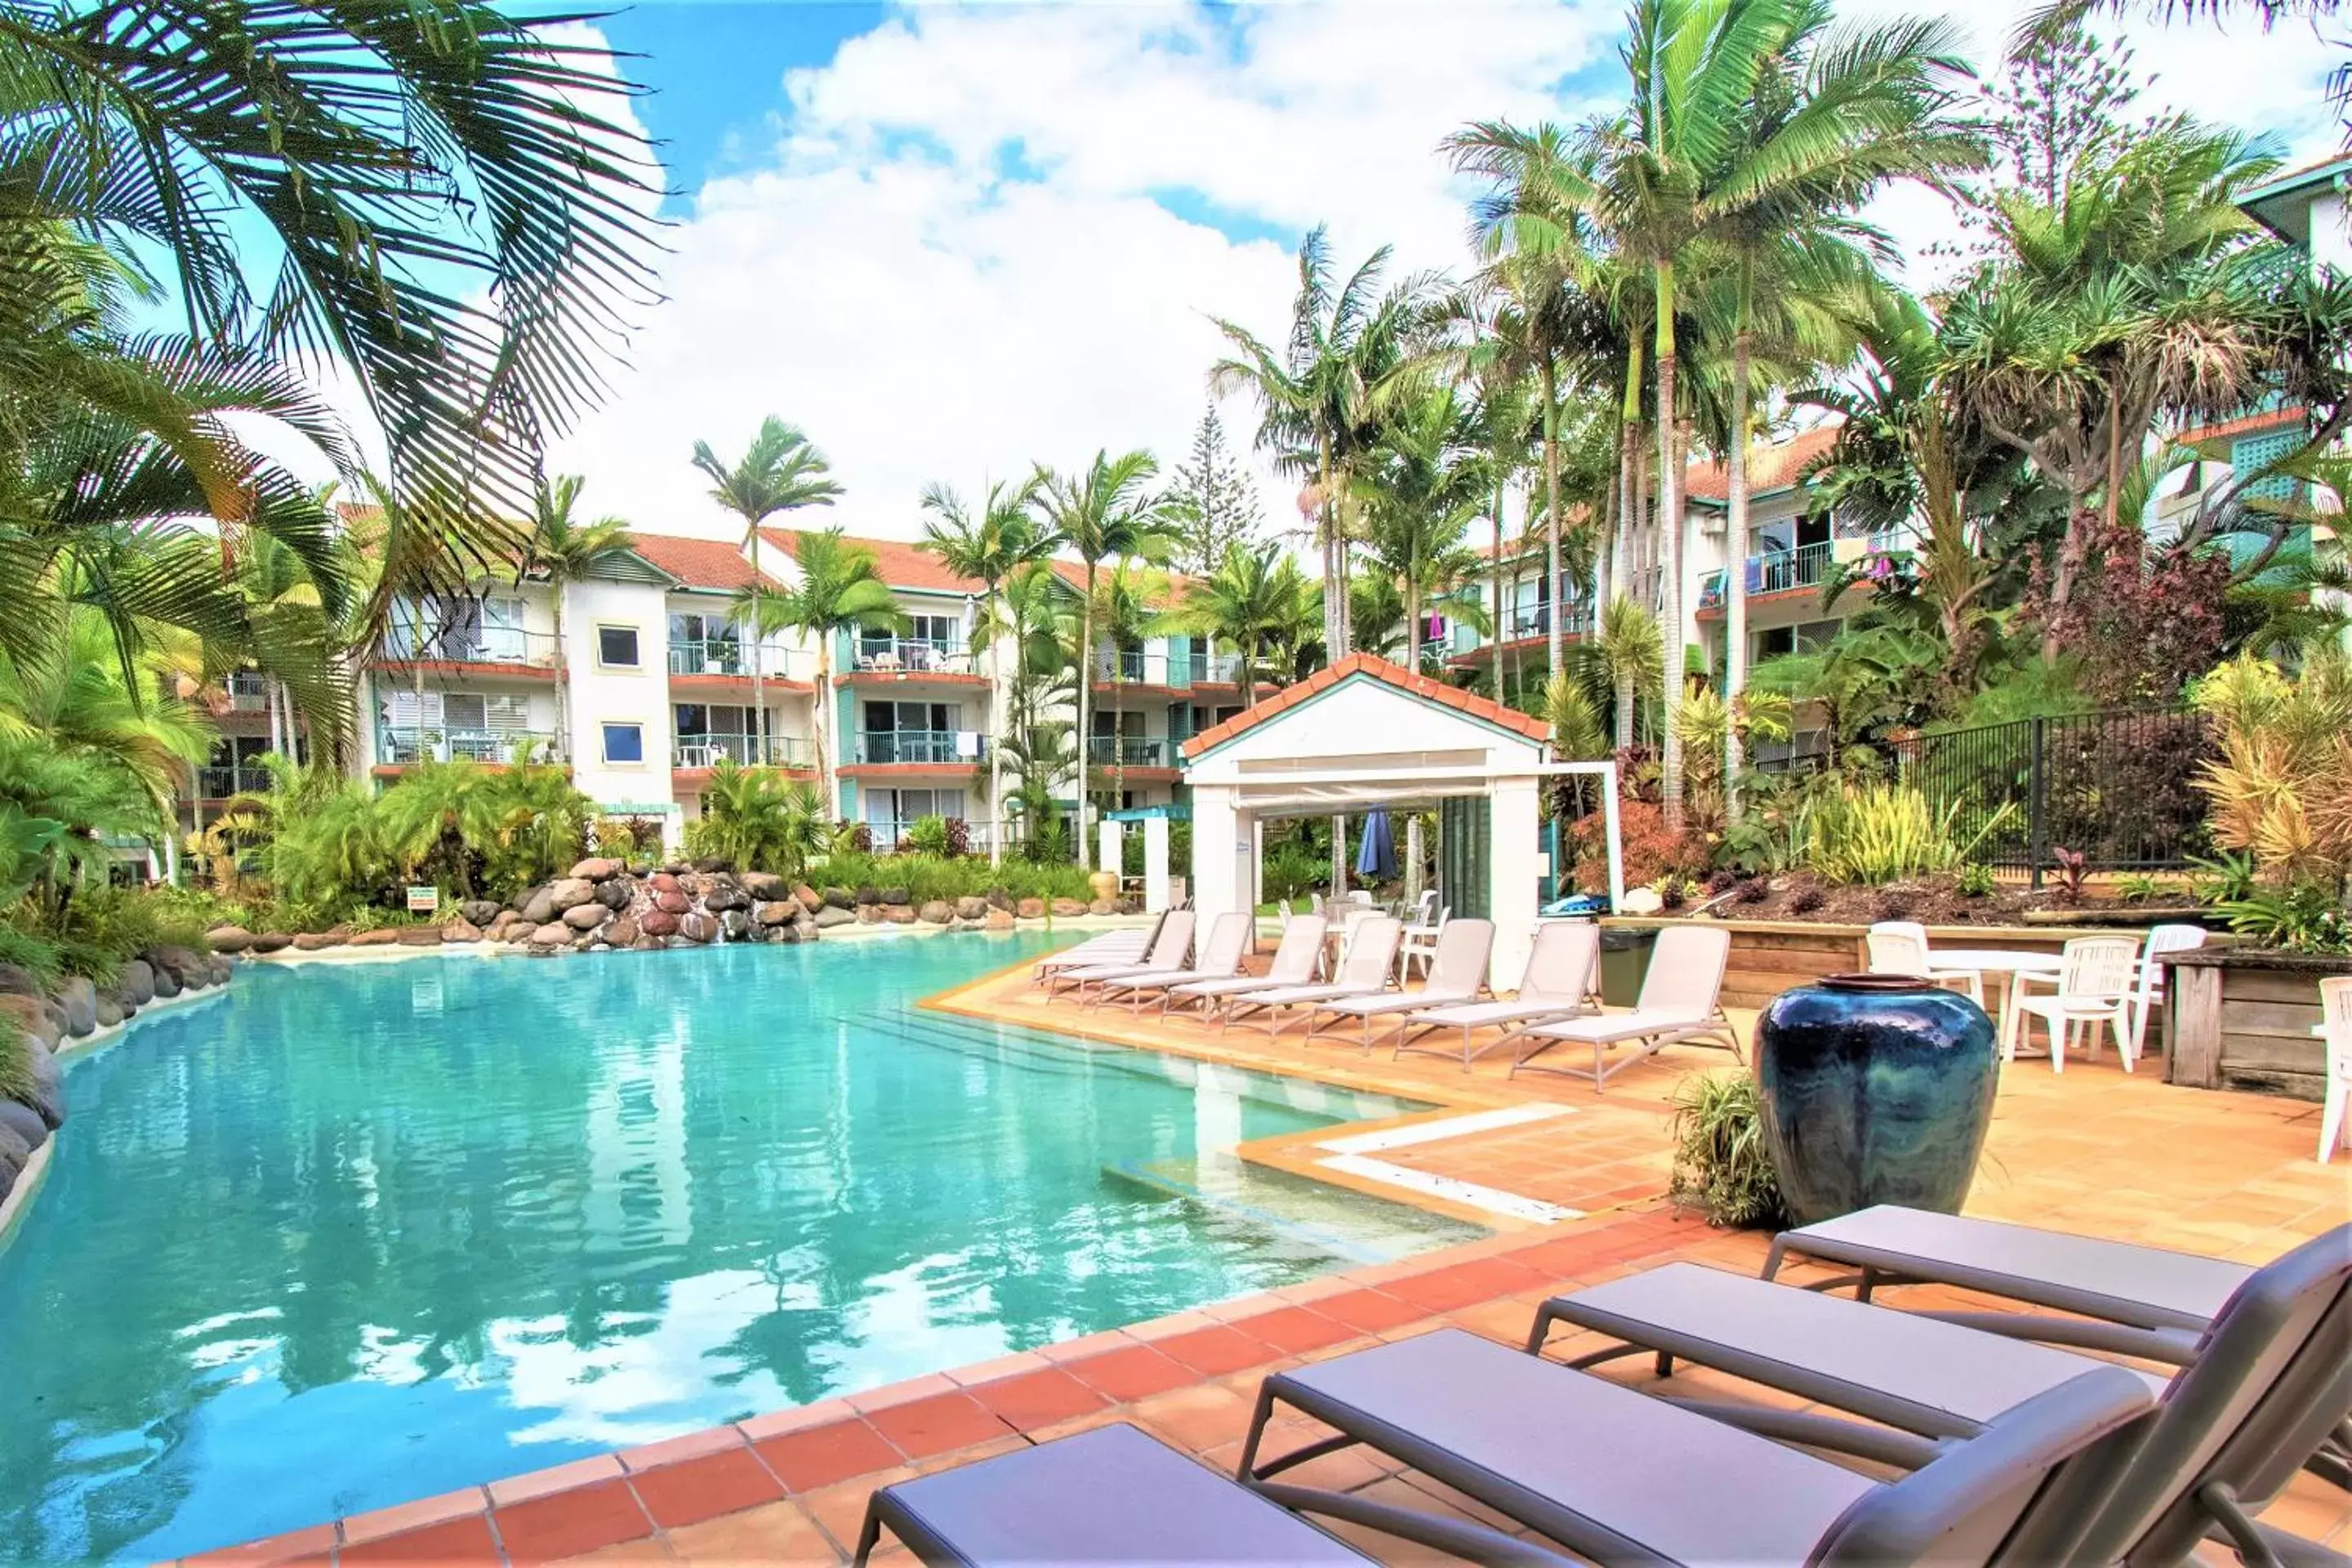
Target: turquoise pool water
{"x": 354, "y": 1235}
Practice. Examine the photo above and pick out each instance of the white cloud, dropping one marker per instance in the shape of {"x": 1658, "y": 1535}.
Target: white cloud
{"x": 953, "y": 259}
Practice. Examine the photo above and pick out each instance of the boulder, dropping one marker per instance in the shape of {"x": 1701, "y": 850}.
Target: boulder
{"x": 998, "y": 920}
{"x": 1641, "y": 901}
{"x": 461, "y": 930}
{"x": 14, "y": 1154}
{"x": 698, "y": 928}
{"x": 839, "y": 898}
{"x": 79, "y": 997}
{"x": 647, "y": 944}
{"x": 720, "y": 899}
{"x": 222, "y": 967}
{"x": 482, "y": 912}
{"x": 672, "y": 902}
{"x": 736, "y": 924}
{"x": 936, "y": 912}
{"x": 869, "y": 914}
{"x": 783, "y": 913}
{"x": 663, "y": 882}
{"x": 48, "y": 1095}
{"x": 13, "y": 977}
{"x": 791, "y": 933}
{"x": 896, "y": 896}
{"x": 268, "y": 941}
{"x": 319, "y": 941}
{"x": 711, "y": 864}
{"x": 763, "y": 885}
{"x": 658, "y": 923}
{"x": 1000, "y": 898}
{"x": 570, "y": 893}
{"x": 383, "y": 936}
{"x": 136, "y": 981}
{"x": 810, "y": 899}
{"x": 587, "y": 916}
{"x": 615, "y": 892}
{"x": 539, "y": 907}
{"x": 185, "y": 963}
{"x": 622, "y": 933}
{"x": 969, "y": 908}
{"x": 229, "y": 939}
{"x": 419, "y": 936}
{"x": 1030, "y": 909}
{"x": 676, "y": 867}
{"x": 24, "y": 1122}
{"x": 26, "y": 1013}
{"x": 57, "y": 1017}
{"x": 167, "y": 985}
{"x": 109, "y": 1010}
{"x": 898, "y": 914}
{"x": 868, "y": 896}
{"x": 554, "y": 934}
{"x": 1067, "y": 908}
{"x": 1102, "y": 907}
{"x": 832, "y": 915}
{"x": 597, "y": 868}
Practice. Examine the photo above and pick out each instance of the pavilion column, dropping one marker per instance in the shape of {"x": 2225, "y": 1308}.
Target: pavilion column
{"x": 1225, "y": 851}
{"x": 1512, "y": 856}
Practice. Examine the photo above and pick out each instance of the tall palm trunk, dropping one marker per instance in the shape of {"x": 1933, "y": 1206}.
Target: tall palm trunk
{"x": 758, "y": 661}
{"x": 995, "y": 733}
{"x": 563, "y": 678}
{"x": 1632, "y": 507}
{"x": 1735, "y": 569}
{"x": 1335, "y": 633}
{"x": 1556, "y": 648}
{"x": 1085, "y": 691}
{"x": 1670, "y": 525}
{"x": 1502, "y": 627}
{"x": 828, "y": 791}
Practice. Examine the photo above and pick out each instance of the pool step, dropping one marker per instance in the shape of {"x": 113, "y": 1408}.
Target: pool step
{"x": 1327, "y": 1219}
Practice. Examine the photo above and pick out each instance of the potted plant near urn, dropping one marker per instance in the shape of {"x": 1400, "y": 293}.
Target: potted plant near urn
{"x": 1877, "y": 1089}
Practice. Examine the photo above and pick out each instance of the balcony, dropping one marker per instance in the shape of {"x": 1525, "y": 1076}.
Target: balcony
{"x": 947, "y": 748}
{"x": 729, "y": 657}
{"x": 912, "y": 656}
{"x": 403, "y": 746}
{"x": 1806, "y": 566}
{"x": 1537, "y": 622}
{"x": 221, "y": 783}
{"x": 746, "y": 751}
{"x": 249, "y": 691}
{"x": 1129, "y": 751}
{"x": 469, "y": 645}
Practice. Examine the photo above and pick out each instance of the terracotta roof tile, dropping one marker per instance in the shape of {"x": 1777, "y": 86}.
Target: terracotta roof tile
{"x": 1771, "y": 466}
{"x": 2244, "y": 424}
{"x": 698, "y": 563}
{"x": 1395, "y": 675}
{"x": 902, "y": 565}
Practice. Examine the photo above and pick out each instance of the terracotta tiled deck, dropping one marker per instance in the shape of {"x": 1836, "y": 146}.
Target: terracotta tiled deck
{"x": 2094, "y": 1151}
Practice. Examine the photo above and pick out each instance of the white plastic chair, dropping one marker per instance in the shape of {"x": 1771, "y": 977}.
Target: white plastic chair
{"x": 1900, "y": 947}
{"x": 1420, "y": 936}
{"x": 2160, "y": 940}
{"x": 2094, "y": 987}
{"x": 2335, "y": 1012}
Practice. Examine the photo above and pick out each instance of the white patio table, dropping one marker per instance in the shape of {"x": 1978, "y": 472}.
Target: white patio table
{"x": 2020, "y": 967}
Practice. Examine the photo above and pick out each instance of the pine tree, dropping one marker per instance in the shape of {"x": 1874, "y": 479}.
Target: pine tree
{"x": 1212, "y": 501}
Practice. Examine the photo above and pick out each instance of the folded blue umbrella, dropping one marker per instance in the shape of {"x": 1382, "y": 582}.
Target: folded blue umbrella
{"x": 1375, "y": 857}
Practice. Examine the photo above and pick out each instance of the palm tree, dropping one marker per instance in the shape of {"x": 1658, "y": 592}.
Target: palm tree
{"x": 781, "y": 472}
{"x": 1243, "y": 604}
{"x": 457, "y": 219}
{"x": 840, "y": 587}
{"x": 561, "y": 549}
{"x": 1424, "y": 483}
{"x": 1123, "y": 611}
{"x": 1098, "y": 514}
{"x": 1346, "y": 356}
{"x": 986, "y": 544}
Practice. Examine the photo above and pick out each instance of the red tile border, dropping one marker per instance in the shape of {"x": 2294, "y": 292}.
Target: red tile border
{"x": 820, "y": 1456}
{"x": 1130, "y": 1372}
{"x": 696, "y": 1489}
{"x": 457, "y": 1541}
{"x": 1215, "y": 1351}
{"x": 922, "y": 1427}
{"x": 317, "y": 1540}
{"x": 675, "y": 1450}
{"x": 401, "y": 1518}
{"x": 565, "y": 1524}
{"x": 1036, "y": 1399}
{"x": 1370, "y": 1311}
{"x": 1295, "y": 1331}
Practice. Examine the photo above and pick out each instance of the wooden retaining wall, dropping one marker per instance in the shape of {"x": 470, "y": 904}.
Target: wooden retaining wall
{"x": 2243, "y": 1020}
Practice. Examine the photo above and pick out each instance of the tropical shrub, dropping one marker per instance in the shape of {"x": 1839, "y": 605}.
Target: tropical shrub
{"x": 2301, "y": 916}
{"x": 16, "y": 1065}
{"x": 927, "y": 877}
{"x": 1653, "y": 852}
{"x": 1722, "y": 1167}
{"x": 928, "y": 835}
{"x": 760, "y": 820}
{"x": 1291, "y": 871}
{"x": 2281, "y": 788}
{"x": 1889, "y": 833}
{"x": 1974, "y": 881}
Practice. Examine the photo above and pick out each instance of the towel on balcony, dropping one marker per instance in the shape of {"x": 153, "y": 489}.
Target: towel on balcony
{"x": 967, "y": 745}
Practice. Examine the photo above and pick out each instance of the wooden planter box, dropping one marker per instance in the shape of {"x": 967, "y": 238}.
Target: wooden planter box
{"x": 2239, "y": 1019}
{"x": 1768, "y": 957}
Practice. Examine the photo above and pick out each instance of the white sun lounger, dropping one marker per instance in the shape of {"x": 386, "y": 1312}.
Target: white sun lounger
{"x": 1220, "y": 959}
{"x": 1167, "y": 955}
{"x": 1294, "y": 964}
{"x": 1679, "y": 1001}
{"x": 1558, "y": 982}
{"x": 1457, "y": 973}
{"x": 1364, "y": 972}
{"x": 1110, "y": 947}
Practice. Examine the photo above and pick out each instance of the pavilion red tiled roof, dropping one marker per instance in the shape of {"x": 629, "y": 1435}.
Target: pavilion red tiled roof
{"x": 1388, "y": 674}
{"x": 901, "y": 565}
{"x": 699, "y": 563}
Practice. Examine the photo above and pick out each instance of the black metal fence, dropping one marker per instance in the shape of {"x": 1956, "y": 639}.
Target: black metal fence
{"x": 2118, "y": 788}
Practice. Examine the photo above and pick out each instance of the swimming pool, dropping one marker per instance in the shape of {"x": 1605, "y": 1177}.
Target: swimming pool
{"x": 358, "y": 1233}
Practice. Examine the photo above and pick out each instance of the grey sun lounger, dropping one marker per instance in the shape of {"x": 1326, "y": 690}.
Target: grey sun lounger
{"x": 1104, "y": 949}
{"x": 1559, "y": 984}
{"x": 2228, "y": 1433}
{"x": 1371, "y": 953}
{"x": 1166, "y": 957}
{"x": 1620, "y": 1477}
{"x": 1457, "y": 973}
{"x": 1220, "y": 958}
{"x": 1294, "y": 964}
{"x": 1111, "y": 1495}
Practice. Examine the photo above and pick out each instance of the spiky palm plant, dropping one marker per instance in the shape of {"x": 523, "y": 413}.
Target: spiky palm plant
{"x": 839, "y": 588}
{"x": 987, "y": 543}
{"x": 560, "y": 550}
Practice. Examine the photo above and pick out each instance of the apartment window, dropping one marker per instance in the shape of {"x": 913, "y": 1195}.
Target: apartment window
{"x": 624, "y": 742}
{"x": 616, "y": 646}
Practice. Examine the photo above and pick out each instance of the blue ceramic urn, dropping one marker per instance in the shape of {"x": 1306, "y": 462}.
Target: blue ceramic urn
{"x": 1877, "y": 1088}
